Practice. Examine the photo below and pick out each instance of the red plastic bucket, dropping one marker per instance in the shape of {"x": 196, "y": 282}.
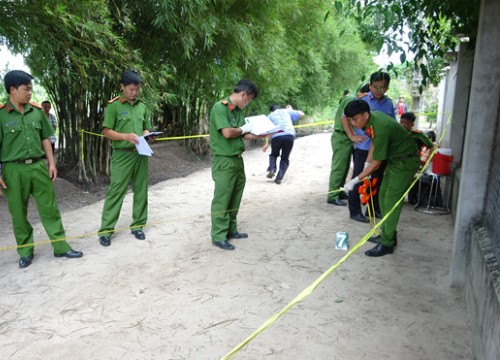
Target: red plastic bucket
{"x": 441, "y": 164}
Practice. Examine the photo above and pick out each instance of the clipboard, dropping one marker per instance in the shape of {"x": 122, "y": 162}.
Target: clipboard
{"x": 153, "y": 133}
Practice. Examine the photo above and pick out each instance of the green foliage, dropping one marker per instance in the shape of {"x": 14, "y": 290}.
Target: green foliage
{"x": 190, "y": 54}
{"x": 431, "y": 26}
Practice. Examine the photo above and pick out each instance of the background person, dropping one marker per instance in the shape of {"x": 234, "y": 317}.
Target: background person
{"x": 401, "y": 107}
{"x": 46, "y": 105}
{"x": 281, "y": 142}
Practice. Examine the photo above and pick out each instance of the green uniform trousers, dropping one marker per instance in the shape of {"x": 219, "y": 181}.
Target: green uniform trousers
{"x": 228, "y": 173}
{"x": 341, "y": 161}
{"x": 397, "y": 178}
{"x": 127, "y": 168}
{"x": 23, "y": 180}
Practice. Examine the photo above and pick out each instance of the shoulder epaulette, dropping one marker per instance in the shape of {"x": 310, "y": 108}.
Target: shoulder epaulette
{"x": 416, "y": 131}
{"x": 37, "y": 105}
{"x": 2, "y": 106}
{"x": 113, "y": 100}
{"x": 230, "y": 106}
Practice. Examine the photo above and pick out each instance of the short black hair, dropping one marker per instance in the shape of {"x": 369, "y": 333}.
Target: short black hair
{"x": 248, "y": 86}
{"x": 364, "y": 88}
{"x": 380, "y": 75}
{"x": 356, "y": 107}
{"x": 16, "y": 78}
{"x": 431, "y": 135}
{"x": 274, "y": 107}
{"x": 130, "y": 77}
{"x": 409, "y": 116}
{"x": 46, "y": 102}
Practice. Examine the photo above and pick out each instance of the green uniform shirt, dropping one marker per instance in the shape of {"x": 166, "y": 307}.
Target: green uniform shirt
{"x": 338, "y": 115}
{"x": 421, "y": 139}
{"x": 390, "y": 140}
{"x": 21, "y": 134}
{"x": 123, "y": 117}
{"x": 225, "y": 115}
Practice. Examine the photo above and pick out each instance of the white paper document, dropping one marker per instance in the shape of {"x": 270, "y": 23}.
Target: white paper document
{"x": 142, "y": 146}
{"x": 261, "y": 125}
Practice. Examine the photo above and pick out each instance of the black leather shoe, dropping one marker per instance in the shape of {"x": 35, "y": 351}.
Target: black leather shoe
{"x": 71, "y": 254}
{"x": 360, "y": 218}
{"x": 376, "y": 239}
{"x": 25, "y": 261}
{"x": 224, "y": 245}
{"x": 270, "y": 174}
{"x": 379, "y": 250}
{"x": 139, "y": 234}
{"x": 105, "y": 240}
{"x": 337, "y": 202}
{"x": 237, "y": 235}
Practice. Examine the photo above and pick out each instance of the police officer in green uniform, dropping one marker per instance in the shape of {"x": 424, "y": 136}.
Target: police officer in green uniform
{"x": 342, "y": 140}
{"x": 227, "y": 131}
{"x": 24, "y": 141}
{"x": 342, "y": 151}
{"x": 391, "y": 142}
{"x": 125, "y": 119}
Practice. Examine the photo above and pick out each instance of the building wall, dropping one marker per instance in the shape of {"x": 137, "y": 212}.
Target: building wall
{"x": 492, "y": 203}
{"x": 476, "y": 250}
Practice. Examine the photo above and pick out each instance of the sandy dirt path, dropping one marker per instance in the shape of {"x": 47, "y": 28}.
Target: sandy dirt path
{"x": 175, "y": 296}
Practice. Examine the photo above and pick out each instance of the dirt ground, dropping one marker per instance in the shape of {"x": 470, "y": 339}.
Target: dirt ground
{"x": 175, "y": 296}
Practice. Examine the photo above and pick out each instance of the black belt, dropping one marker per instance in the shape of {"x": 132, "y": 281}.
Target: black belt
{"x": 25, "y": 161}
{"x": 340, "y": 131}
{"x": 404, "y": 157}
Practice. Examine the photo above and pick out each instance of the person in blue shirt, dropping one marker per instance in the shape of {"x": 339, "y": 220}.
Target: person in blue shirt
{"x": 281, "y": 142}
{"x": 376, "y": 99}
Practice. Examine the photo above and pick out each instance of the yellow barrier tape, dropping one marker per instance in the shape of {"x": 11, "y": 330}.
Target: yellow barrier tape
{"x": 82, "y": 132}
{"x": 82, "y": 142}
{"x": 206, "y": 135}
{"x": 91, "y": 133}
{"x": 310, "y": 289}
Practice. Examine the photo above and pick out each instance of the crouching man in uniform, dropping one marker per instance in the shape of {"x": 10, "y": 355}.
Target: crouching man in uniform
{"x": 390, "y": 142}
